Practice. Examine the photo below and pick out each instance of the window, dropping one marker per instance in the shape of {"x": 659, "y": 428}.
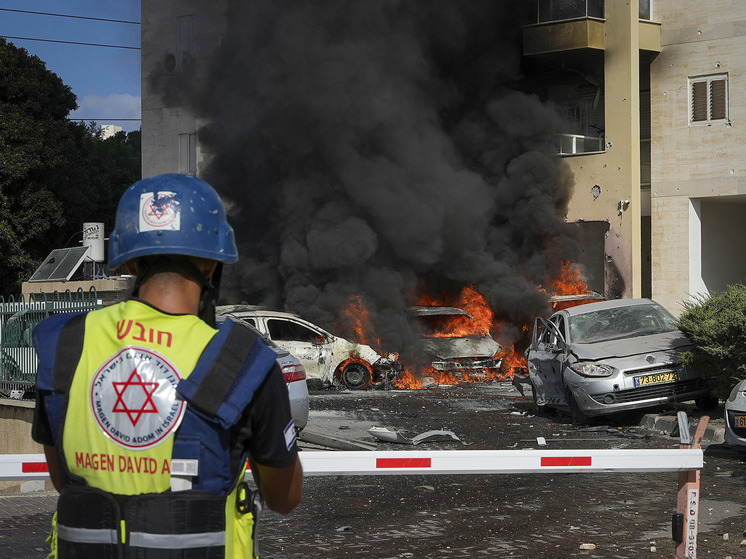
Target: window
{"x": 187, "y": 154}
{"x": 291, "y": 331}
{"x": 185, "y": 39}
{"x": 646, "y": 9}
{"x": 708, "y": 99}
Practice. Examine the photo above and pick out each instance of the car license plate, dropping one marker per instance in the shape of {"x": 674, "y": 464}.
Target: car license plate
{"x": 740, "y": 422}
{"x": 657, "y": 378}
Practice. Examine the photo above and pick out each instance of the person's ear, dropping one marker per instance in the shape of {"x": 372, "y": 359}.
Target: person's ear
{"x": 208, "y": 269}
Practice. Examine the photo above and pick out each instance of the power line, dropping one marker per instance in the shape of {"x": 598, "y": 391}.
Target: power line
{"x": 106, "y": 119}
{"x": 70, "y": 42}
{"x": 70, "y": 16}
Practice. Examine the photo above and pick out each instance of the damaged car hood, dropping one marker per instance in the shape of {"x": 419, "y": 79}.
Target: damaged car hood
{"x": 627, "y": 347}
{"x": 454, "y": 348}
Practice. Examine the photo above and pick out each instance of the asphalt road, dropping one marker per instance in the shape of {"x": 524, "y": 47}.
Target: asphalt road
{"x": 515, "y": 516}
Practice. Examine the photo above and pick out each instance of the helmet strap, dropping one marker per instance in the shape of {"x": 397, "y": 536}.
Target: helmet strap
{"x": 209, "y": 296}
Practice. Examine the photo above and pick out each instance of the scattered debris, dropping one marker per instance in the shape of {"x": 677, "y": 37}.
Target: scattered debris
{"x": 588, "y": 546}
{"x": 344, "y": 528}
{"x": 394, "y": 436}
{"x": 518, "y": 381}
{"x": 331, "y": 441}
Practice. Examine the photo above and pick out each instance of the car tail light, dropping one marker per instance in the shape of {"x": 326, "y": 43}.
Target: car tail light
{"x": 294, "y": 372}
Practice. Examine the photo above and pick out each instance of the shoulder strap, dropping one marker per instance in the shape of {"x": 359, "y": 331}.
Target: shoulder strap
{"x": 231, "y": 368}
{"x": 69, "y": 350}
{"x": 58, "y": 341}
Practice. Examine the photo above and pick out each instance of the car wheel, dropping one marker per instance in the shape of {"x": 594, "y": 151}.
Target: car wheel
{"x": 577, "y": 415}
{"x": 355, "y": 375}
{"x": 707, "y": 403}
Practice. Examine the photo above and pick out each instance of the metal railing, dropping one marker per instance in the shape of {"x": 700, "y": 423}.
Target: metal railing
{"x": 549, "y": 11}
{"x": 18, "y": 361}
{"x": 561, "y": 10}
{"x": 574, "y": 144}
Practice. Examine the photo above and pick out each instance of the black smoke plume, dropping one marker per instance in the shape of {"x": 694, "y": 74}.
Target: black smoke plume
{"x": 382, "y": 148}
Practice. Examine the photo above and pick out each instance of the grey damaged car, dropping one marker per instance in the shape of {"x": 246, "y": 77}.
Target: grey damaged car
{"x": 611, "y": 356}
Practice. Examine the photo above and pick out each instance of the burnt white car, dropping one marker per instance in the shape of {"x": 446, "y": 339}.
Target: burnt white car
{"x": 611, "y": 356}
{"x": 735, "y": 417}
{"x": 325, "y": 356}
{"x": 294, "y": 374}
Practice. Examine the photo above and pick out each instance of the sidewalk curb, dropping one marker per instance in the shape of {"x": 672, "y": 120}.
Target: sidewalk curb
{"x": 667, "y": 424}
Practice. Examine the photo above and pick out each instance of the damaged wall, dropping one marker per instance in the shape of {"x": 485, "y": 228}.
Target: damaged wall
{"x": 608, "y": 184}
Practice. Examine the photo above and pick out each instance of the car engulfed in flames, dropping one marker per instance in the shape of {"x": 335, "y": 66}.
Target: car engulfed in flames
{"x": 453, "y": 345}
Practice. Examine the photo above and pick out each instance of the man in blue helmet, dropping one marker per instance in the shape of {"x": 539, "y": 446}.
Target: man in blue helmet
{"x": 149, "y": 416}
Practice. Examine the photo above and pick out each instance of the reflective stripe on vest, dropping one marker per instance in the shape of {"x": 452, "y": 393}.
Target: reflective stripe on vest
{"x": 142, "y": 539}
{"x": 176, "y": 541}
{"x": 86, "y": 535}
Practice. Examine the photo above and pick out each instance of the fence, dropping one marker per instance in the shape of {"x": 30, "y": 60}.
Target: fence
{"x": 18, "y": 359}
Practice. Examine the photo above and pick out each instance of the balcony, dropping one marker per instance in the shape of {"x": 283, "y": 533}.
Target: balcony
{"x": 566, "y": 25}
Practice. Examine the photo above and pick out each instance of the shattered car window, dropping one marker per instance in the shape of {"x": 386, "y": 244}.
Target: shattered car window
{"x": 620, "y": 322}
{"x": 290, "y": 331}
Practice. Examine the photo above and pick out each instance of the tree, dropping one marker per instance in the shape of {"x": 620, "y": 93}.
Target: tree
{"x": 716, "y": 324}
{"x": 54, "y": 174}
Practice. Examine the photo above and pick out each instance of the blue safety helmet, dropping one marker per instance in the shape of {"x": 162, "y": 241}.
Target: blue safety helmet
{"x": 171, "y": 214}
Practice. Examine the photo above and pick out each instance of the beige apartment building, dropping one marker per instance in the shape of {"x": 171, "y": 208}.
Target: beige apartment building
{"x": 698, "y": 149}
{"x": 653, "y": 95}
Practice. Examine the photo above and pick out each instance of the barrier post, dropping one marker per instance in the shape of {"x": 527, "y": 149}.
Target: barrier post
{"x": 688, "y": 499}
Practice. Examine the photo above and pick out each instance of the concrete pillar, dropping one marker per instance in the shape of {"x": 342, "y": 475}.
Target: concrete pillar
{"x": 622, "y": 93}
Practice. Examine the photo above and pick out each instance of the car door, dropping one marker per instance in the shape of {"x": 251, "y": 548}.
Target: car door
{"x": 309, "y": 345}
{"x": 545, "y": 362}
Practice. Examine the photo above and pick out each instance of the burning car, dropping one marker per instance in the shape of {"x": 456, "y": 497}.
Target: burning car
{"x": 454, "y": 346}
{"x": 611, "y": 356}
{"x": 326, "y": 357}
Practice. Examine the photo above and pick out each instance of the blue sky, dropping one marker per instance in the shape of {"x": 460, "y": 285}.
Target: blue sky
{"x": 105, "y": 80}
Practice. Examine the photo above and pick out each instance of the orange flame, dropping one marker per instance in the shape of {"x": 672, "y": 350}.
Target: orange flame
{"x": 471, "y": 301}
{"x": 357, "y": 318}
{"x": 569, "y": 282}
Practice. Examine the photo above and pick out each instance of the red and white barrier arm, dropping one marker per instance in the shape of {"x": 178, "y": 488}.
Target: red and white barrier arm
{"x": 320, "y": 463}
{"x": 499, "y": 461}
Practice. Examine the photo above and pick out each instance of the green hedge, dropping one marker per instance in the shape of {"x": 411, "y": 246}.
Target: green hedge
{"x": 717, "y": 326}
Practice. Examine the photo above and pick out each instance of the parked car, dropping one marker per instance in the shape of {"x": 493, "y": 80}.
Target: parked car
{"x": 611, "y": 356}
{"x": 295, "y": 377}
{"x": 444, "y": 340}
{"x": 325, "y": 356}
{"x": 735, "y": 416}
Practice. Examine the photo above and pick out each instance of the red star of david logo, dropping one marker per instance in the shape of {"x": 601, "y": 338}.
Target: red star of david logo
{"x": 147, "y": 406}
{"x": 160, "y": 207}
